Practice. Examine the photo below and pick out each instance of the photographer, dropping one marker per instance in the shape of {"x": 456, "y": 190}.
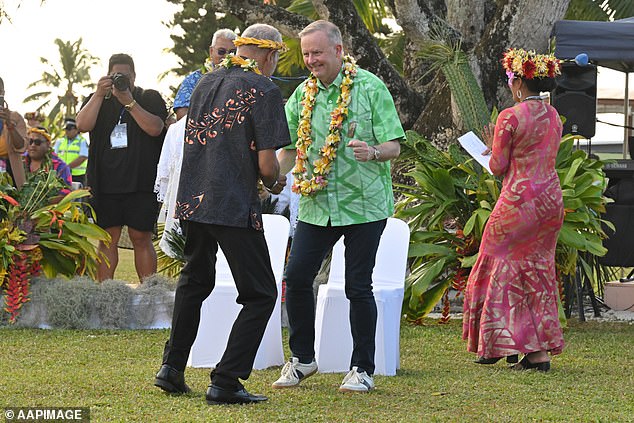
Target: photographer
{"x": 126, "y": 135}
{"x": 12, "y": 136}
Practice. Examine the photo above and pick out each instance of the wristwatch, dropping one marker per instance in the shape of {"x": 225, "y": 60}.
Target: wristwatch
{"x": 129, "y": 107}
{"x": 377, "y": 153}
{"x": 269, "y": 189}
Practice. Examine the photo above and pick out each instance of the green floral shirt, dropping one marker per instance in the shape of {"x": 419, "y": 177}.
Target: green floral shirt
{"x": 356, "y": 192}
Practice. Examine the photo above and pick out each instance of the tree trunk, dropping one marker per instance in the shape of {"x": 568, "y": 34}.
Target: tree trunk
{"x": 517, "y": 23}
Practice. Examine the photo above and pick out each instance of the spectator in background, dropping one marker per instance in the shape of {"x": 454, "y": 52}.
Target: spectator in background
{"x": 12, "y": 140}
{"x": 126, "y": 125}
{"x": 39, "y": 156}
{"x": 221, "y": 45}
{"x": 73, "y": 149}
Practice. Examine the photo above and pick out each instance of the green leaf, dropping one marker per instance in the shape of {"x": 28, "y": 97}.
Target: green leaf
{"x": 572, "y": 238}
{"x": 59, "y": 246}
{"x": 87, "y": 230}
{"x": 468, "y": 227}
{"x": 428, "y": 275}
{"x": 430, "y": 298}
{"x": 468, "y": 262}
{"x": 426, "y": 249}
{"x": 577, "y": 217}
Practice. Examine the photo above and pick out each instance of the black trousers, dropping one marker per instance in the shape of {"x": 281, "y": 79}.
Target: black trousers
{"x": 248, "y": 258}
{"x": 310, "y": 245}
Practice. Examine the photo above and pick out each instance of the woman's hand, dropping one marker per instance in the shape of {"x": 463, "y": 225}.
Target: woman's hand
{"x": 487, "y": 136}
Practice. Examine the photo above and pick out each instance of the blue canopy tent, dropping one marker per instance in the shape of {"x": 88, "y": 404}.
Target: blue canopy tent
{"x": 608, "y": 44}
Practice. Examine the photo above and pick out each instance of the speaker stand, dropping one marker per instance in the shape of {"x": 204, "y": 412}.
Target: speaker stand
{"x": 575, "y": 289}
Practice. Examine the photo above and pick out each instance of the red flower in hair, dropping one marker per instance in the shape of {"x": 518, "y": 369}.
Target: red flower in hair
{"x": 552, "y": 66}
{"x": 528, "y": 68}
{"x": 508, "y": 61}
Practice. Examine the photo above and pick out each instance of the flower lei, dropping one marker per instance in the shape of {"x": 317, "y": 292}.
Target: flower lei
{"x": 207, "y": 67}
{"x": 529, "y": 65}
{"x": 322, "y": 166}
{"x": 246, "y": 64}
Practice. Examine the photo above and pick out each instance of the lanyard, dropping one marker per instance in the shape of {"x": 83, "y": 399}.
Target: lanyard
{"x": 121, "y": 115}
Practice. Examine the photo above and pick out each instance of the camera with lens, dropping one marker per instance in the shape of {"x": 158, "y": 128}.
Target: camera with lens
{"x": 120, "y": 81}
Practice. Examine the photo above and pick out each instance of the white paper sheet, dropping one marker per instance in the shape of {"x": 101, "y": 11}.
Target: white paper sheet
{"x": 475, "y": 147}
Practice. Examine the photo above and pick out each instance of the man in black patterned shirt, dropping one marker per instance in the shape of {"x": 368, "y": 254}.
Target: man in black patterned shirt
{"x": 235, "y": 124}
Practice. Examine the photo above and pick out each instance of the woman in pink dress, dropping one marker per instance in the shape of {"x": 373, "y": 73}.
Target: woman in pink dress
{"x": 511, "y": 297}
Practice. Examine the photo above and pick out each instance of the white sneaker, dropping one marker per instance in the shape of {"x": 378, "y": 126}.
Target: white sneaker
{"x": 294, "y": 372}
{"x": 356, "y": 381}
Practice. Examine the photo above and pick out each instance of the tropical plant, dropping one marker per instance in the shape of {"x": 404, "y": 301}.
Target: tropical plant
{"x": 170, "y": 265}
{"x": 448, "y": 191}
{"x": 41, "y": 231}
{"x": 76, "y": 63}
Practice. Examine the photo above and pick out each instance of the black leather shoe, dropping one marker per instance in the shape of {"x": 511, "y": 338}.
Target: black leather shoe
{"x": 171, "y": 380}
{"x": 511, "y": 359}
{"x": 525, "y": 364}
{"x": 217, "y": 395}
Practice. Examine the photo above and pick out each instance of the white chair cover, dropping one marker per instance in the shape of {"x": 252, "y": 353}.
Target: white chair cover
{"x": 333, "y": 338}
{"x": 220, "y": 309}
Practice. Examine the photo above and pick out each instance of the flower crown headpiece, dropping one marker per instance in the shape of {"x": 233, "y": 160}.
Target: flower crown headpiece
{"x": 273, "y": 45}
{"x": 35, "y": 116}
{"x": 42, "y": 132}
{"x": 529, "y": 65}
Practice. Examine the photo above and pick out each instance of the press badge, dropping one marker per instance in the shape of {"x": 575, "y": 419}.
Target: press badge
{"x": 119, "y": 135}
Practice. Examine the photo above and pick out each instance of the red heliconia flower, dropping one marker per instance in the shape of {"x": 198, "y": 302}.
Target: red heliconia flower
{"x": 10, "y": 200}
{"x": 445, "y": 309}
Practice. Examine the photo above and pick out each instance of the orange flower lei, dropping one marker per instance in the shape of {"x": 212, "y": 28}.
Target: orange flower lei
{"x": 321, "y": 167}
{"x": 246, "y": 64}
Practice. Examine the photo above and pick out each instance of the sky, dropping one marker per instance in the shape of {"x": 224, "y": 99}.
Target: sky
{"x": 136, "y": 27}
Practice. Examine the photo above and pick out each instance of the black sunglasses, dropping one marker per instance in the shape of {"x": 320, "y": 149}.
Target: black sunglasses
{"x": 223, "y": 51}
{"x": 37, "y": 142}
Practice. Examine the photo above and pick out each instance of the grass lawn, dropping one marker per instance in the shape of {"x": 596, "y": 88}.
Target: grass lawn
{"x": 112, "y": 373}
{"x": 125, "y": 271}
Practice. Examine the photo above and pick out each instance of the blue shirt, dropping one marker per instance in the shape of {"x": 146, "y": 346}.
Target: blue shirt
{"x": 186, "y": 89}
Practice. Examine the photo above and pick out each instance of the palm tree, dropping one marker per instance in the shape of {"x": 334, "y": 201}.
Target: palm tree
{"x": 590, "y": 10}
{"x": 75, "y": 67}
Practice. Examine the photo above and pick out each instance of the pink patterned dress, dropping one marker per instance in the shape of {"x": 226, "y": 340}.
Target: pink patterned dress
{"x": 511, "y": 297}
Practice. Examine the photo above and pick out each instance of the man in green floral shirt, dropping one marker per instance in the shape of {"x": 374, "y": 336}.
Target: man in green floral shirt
{"x": 345, "y": 130}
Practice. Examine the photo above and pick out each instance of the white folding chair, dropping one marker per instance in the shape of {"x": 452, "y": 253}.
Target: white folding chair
{"x": 333, "y": 338}
{"x": 220, "y": 309}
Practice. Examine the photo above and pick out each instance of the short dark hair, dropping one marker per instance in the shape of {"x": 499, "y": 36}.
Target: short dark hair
{"x": 120, "y": 59}
{"x": 1, "y": 84}
{"x": 539, "y": 85}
